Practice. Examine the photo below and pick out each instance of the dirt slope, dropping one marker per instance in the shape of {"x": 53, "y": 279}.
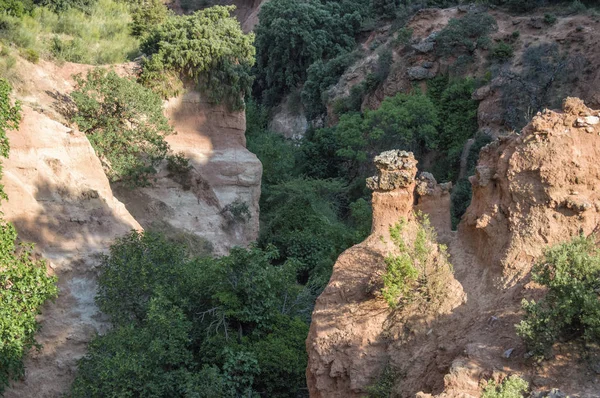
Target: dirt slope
{"x": 531, "y": 190}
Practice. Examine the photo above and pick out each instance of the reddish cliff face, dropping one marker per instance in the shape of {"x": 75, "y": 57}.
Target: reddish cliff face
{"x": 352, "y": 327}
{"x": 530, "y": 191}
{"x": 535, "y": 189}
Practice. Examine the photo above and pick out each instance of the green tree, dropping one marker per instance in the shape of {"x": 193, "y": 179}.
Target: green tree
{"x": 208, "y": 48}
{"x": 146, "y": 14}
{"x": 292, "y": 35}
{"x": 196, "y": 327}
{"x": 124, "y": 123}
{"x": 570, "y": 308}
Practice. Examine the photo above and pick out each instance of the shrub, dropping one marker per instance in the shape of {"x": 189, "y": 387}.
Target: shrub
{"x": 501, "y": 52}
{"x": 570, "y": 308}
{"x": 419, "y": 267}
{"x": 31, "y": 55}
{"x": 293, "y": 35}
{"x": 24, "y": 283}
{"x": 124, "y": 123}
{"x": 208, "y": 48}
{"x": 236, "y": 212}
{"x": 549, "y": 19}
{"x": 384, "y": 385}
{"x": 147, "y": 14}
{"x": 178, "y": 163}
{"x": 466, "y": 34}
{"x": 201, "y": 327}
{"x": 577, "y": 7}
{"x": 512, "y": 387}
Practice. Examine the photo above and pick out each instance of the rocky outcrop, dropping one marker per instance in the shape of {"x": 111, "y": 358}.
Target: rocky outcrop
{"x": 60, "y": 199}
{"x": 223, "y": 173}
{"x": 535, "y": 189}
{"x": 353, "y": 329}
{"x": 433, "y": 199}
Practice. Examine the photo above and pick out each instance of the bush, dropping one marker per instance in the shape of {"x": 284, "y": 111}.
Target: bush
{"x": 24, "y": 283}
{"x": 549, "y": 19}
{"x": 570, "y": 308}
{"x": 201, "y": 327}
{"x": 501, "y": 52}
{"x": 146, "y": 15}
{"x": 124, "y": 123}
{"x": 512, "y": 387}
{"x": 466, "y": 34}
{"x": 293, "y": 35}
{"x": 418, "y": 269}
{"x": 208, "y": 48}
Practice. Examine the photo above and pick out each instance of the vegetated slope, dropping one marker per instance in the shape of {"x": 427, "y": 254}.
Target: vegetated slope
{"x": 542, "y": 55}
{"x": 63, "y": 202}
{"x": 530, "y": 191}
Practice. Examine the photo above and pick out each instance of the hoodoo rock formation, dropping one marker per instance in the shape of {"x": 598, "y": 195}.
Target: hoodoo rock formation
{"x": 352, "y": 327}
{"x": 531, "y": 190}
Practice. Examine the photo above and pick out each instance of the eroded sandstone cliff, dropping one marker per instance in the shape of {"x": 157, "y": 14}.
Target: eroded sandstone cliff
{"x": 61, "y": 200}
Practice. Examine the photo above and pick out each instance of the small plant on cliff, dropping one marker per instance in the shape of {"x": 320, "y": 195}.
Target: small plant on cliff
{"x": 24, "y": 283}
{"x": 124, "y": 123}
{"x": 512, "y": 387}
{"x": 571, "y": 307}
{"x": 416, "y": 271}
{"x": 208, "y": 48}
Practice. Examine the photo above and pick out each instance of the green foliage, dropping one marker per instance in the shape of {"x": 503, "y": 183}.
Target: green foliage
{"x": 237, "y": 211}
{"x": 577, "y": 7}
{"x": 549, "y": 19}
{"x": 178, "y": 163}
{"x": 147, "y": 14}
{"x": 570, "y": 309}
{"x": 24, "y": 288}
{"x": 408, "y": 121}
{"x": 10, "y": 116}
{"x": 292, "y": 35}
{"x": 383, "y": 387}
{"x": 24, "y": 283}
{"x": 98, "y": 35}
{"x": 512, "y": 387}
{"x": 501, "y": 52}
{"x": 466, "y": 34}
{"x": 303, "y": 219}
{"x": 195, "y": 327}
{"x": 124, "y": 123}
{"x": 320, "y": 77}
{"x": 208, "y": 48}
{"x": 412, "y": 272}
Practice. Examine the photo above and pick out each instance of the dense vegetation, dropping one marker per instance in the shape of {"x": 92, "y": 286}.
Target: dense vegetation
{"x": 207, "y": 48}
{"x": 24, "y": 283}
{"x": 124, "y": 123}
{"x": 196, "y": 326}
{"x": 570, "y": 309}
